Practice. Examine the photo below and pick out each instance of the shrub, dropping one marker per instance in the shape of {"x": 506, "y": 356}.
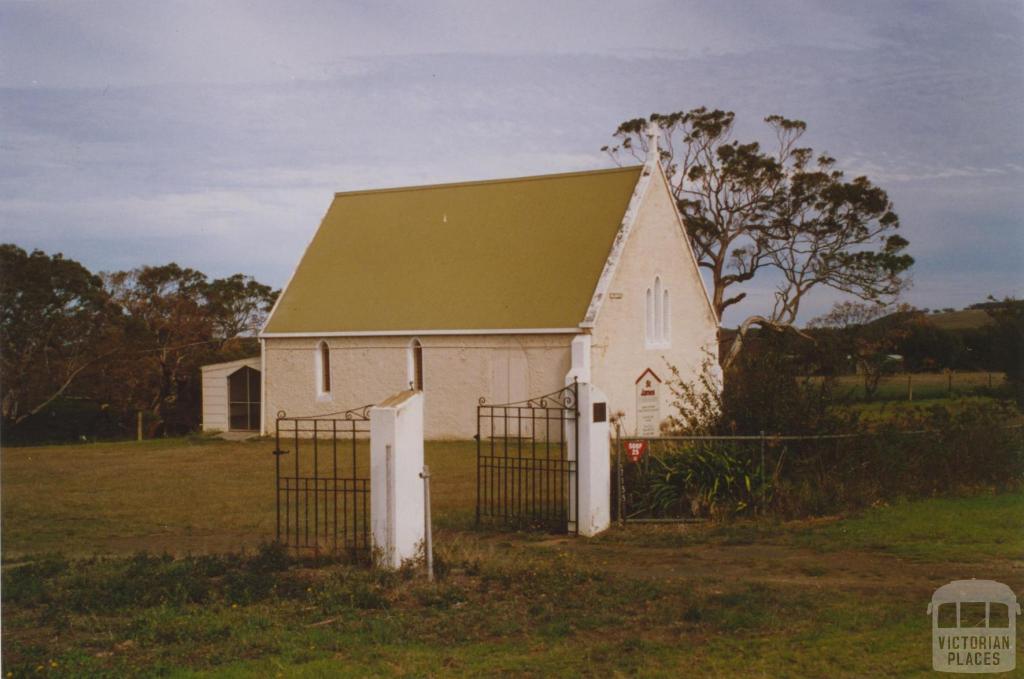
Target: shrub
{"x": 842, "y": 463}
{"x": 711, "y": 479}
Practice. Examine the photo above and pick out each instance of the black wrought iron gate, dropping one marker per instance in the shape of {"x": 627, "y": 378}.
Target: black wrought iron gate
{"x": 323, "y": 483}
{"x": 526, "y": 461}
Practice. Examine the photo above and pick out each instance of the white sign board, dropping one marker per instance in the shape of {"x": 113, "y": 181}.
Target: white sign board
{"x": 648, "y": 404}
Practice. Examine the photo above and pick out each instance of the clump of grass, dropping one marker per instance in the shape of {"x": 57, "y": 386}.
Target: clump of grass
{"x": 146, "y": 580}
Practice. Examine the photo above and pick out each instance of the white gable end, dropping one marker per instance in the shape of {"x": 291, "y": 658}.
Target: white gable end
{"x": 654, "y": 314}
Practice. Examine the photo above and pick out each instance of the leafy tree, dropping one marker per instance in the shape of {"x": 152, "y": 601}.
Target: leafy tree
{"x": 177, "y": 320}
{"x": 56, "y": 323}
{"x": 239, "y": 305}
{"x": 119, "y": 342}
{"x": 869, "y": 333}
{"x": 168, "y": 332}
{"x": 747, "y": 210}
{"x": 928, "y": 347}
{"x": 1008, "y": 343}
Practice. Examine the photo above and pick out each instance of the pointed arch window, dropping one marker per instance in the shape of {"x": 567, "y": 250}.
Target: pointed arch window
{"x": 650, "y": 315}
{"x": 658, "y": 316}
{"x": 666, "y": 317}
{"x": 323, "y": 368}
{"x": 416, "y": 365}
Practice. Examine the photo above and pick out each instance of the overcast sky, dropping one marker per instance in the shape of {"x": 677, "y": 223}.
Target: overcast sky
{"x": 214, "y": 134}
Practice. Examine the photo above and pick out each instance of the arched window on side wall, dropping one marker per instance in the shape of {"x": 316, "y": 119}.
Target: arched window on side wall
{"x": 416, "y": 365}
{"x": 324, "y": 365}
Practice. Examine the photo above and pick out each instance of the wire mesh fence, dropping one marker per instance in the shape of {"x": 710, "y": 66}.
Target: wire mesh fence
{"x": 692, "y": 477}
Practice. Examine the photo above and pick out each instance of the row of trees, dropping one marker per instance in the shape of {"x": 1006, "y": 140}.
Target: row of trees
{"x": 867, "y": 334}
{"x": 872, "y": 341}
{"x": 128, "y": 341}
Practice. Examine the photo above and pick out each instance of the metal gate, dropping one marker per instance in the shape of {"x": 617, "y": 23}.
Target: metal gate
{"x": 526, "y": 462}
{"x": 322, "y": 485}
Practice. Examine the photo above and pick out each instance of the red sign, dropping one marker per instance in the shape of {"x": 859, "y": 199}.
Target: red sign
{"x": 636, "y": 449}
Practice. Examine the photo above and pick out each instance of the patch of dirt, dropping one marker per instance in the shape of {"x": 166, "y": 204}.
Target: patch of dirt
{"x": 785, "y": 565}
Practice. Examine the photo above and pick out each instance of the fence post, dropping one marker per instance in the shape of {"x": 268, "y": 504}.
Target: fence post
{"x": 620, "y": 503}
{"x": 428, "y": 544}
{"x": 590, "y": 436}
{"x": 949, "y": 383}
{"x": 138, "y": 425}
{"x": 910, "y": 386}
{"x": 764, "y": 485}
{"x": 396, "y": 459}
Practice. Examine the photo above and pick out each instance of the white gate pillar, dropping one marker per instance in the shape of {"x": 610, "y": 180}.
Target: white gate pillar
{"x": 593, "y": 462}
{"x": 396, "y": 490}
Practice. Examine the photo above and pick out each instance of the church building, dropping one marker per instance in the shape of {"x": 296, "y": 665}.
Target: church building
{"x": 503, "y": 290}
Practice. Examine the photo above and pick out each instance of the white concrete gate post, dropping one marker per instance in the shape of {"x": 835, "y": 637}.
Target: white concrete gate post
{"x": 593, "y": 463}
{"x": 396, "y": 490}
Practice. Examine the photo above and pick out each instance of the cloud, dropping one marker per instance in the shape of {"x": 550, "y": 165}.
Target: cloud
{"x": 216, "y": 133}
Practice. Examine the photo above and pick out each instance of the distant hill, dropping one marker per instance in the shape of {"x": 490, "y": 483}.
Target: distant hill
{"x": 964, "y": 319}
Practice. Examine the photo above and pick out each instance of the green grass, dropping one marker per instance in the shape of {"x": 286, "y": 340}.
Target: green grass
{"x": 973, "y": 528}
{"x": 532, "y": 614}
{"x": 976, "y": 528}
{"x": 830, "y": 597}
{"x": 924, "y": 386}
{"x": 196, "y": 495}
{"x": 882, "y": 410}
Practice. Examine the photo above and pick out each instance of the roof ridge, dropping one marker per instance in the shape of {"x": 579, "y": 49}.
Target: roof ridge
{"x": 480, "y": 182}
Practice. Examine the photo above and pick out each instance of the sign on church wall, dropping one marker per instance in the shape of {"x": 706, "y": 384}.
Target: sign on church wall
{"x": 648, "y": 403}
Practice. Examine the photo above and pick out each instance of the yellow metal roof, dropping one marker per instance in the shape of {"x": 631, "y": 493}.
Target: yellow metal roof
{"x": 503, "y": 254}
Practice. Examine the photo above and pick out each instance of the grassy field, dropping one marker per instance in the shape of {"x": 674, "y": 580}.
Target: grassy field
{"x": 924, "y": 386}
{"x": 841, "y": 596}
{"x": 181, "y": 496}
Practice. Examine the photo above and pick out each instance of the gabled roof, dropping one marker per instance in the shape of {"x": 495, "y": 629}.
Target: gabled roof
{"x": 522, "y": 254}
{"x": 228, "y": 365}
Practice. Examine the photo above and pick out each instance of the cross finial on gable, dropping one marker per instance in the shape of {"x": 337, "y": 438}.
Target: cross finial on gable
{"x": 653, "y": 133}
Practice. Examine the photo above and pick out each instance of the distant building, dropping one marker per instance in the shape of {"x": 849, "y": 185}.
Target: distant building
{"x": 231, "y": 396}
{"x": 497, "y": 289}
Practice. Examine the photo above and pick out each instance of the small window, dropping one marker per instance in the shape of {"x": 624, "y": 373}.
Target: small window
{"x": 324, "y": 355}
{"x": 665, "y": 316}
{"x": 658, "y": 316}
{"x": 650, "y": 315}
{"x": 416, "y": 365}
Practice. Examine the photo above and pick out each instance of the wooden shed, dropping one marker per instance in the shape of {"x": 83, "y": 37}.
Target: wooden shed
{"x": 231, "y": 395}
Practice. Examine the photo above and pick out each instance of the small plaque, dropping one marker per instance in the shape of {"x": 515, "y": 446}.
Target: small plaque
{"x": 648, "y": 403}
{"x": 600, "y": 412}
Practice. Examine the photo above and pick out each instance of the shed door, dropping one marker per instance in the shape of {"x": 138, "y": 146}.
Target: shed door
{"x": 244, "y": 399}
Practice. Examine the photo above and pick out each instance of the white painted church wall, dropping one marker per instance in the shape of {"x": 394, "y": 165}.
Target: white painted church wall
{"x": 656, "y": 247}
{"x": 457, "y": 371}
